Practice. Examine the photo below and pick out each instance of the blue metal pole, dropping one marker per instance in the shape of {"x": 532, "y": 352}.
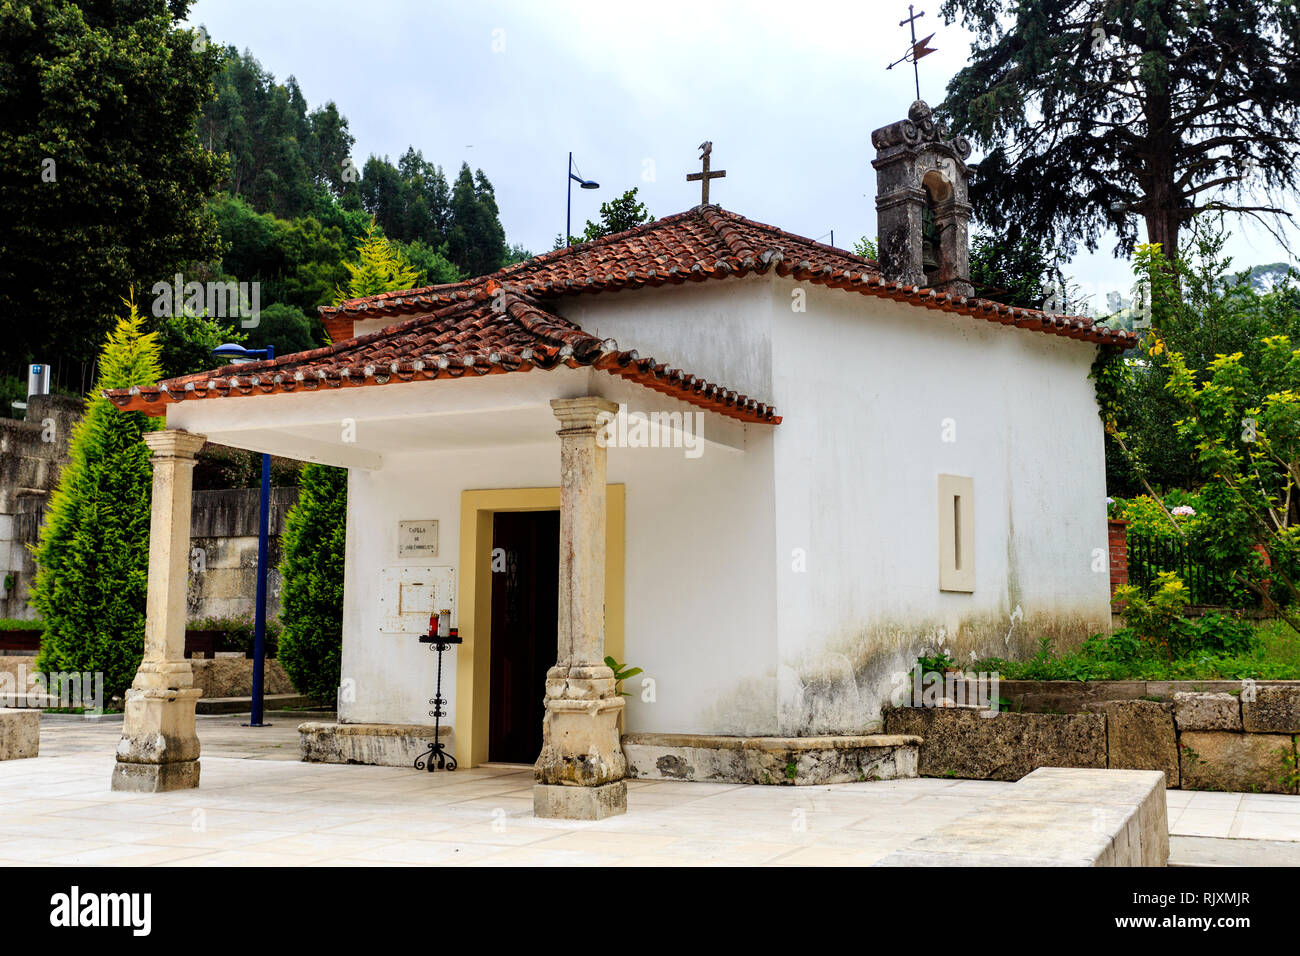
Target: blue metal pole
{"x": 259, "y": 620}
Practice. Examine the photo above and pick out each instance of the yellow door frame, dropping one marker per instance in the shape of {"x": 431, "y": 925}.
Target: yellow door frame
{"x": 474, "y": 600}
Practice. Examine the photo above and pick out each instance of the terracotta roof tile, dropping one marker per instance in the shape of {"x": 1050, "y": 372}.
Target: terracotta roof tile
{"x": 501, "y": 323}
{"x": 485, "y": 332}
{"x": 707, "y": 243}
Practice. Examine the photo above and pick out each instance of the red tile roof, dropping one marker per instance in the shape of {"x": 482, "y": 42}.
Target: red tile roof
{"x": 706, "y": 243}
{"x": 501, "y": 323}
{"x": 487, "y": 330}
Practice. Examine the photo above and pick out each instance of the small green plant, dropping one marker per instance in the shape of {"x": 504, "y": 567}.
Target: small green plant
{"x": 937, "y": 663}
{"x": 1290, "y": 779}
{"x": 791, "y": 770}
{"x": 621, "y": 673}
{"x": 1159, "y": 619}
{"x": 767, "y": 778}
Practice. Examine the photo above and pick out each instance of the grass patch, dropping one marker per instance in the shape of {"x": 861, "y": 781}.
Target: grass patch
{"x": 1273, "y": 653}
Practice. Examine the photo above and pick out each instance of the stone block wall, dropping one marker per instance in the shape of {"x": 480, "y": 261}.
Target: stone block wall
{"x": 223, "y": 552}
{"x": 223, "y": 529}
{"x": 31, "y": 454}
{"x": 1200, "y": 739}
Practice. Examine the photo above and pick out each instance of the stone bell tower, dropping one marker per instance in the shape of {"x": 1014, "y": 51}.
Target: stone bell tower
{"x": 922, "y": 207}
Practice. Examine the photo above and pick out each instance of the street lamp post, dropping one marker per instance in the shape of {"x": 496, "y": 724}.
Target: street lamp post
{"x": 585, "y": 184}
{"x": 238, "y": 355}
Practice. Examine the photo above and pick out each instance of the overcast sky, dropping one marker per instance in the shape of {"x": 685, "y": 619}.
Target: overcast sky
{"x": 789, "y": 95}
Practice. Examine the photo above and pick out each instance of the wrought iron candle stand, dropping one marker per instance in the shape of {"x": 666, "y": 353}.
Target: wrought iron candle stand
{"x": 437, "y": 753}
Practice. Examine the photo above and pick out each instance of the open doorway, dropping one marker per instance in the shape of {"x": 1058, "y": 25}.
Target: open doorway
{"x": 525, "y": 610}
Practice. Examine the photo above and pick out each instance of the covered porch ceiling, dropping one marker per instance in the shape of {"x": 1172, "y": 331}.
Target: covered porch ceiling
{"x": 367, "y": 427}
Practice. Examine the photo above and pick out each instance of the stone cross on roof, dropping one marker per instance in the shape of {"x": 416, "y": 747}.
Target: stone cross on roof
{"x": 704, "y": 176}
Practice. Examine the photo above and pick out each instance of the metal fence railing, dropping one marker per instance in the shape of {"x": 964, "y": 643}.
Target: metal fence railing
{"x": 1207, "y": 581}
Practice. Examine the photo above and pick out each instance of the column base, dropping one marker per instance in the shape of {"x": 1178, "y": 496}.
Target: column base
{"x": 159, "y": 749}
{"x": 579, "y": 803}
{"x": 156, "y": 777}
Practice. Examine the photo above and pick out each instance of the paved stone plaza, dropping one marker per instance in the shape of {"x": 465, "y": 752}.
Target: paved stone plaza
{"x": 259, "y": 805}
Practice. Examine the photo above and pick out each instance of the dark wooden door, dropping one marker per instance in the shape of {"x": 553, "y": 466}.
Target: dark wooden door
{"x": 525, "y": 581}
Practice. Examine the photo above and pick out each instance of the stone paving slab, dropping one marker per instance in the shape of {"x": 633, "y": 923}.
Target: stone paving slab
{"x": 260, "y": 805}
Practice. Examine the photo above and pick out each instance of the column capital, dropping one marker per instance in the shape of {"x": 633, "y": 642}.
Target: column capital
{"x": 582, "y": 414}
{"x": 174, "y": 443}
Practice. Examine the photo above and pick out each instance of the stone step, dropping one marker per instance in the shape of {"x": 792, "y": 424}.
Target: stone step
{"x": 1193, "y": 851}
{"x": 380, "y": 745}
{"x": 790, "y": 761}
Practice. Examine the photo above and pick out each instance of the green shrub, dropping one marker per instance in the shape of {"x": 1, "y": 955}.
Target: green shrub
{"x": 1219, "y": 647}
{"x": 1159, "y": 619}
{"x": 939, "y": 662}
{"x": 1221, "y": 633}
{"x": 17, "y": 624}
{"x": 92, "y": 558}
{"x": 311, "y": 607}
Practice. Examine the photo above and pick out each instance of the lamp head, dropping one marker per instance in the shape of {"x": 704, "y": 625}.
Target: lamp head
{"x": 232, "y": 353}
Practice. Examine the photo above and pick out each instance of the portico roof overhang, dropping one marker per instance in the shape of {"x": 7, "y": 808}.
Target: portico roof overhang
{"x": 368, "y": 427}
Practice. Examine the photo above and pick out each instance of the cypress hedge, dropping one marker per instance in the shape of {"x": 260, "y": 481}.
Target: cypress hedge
{"x": 93, "y": 554}
{"x": 311, "y": 596}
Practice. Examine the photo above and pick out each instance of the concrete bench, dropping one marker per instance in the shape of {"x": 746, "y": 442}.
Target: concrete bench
{"x": 20, "y": 733}
{"x": 1056, "y": 817}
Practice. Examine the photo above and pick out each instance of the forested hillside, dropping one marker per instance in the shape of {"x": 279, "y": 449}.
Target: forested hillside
{"x": 255, "y": 181}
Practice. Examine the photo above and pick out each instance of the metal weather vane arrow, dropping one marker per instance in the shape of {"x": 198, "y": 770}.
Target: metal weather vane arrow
{"x": 917, "y": 50}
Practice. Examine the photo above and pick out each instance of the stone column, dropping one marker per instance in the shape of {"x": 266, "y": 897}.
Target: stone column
{"x": 951, "y": 218}
{"x": 581, "y": 768}
{"x": 159, "y": 749}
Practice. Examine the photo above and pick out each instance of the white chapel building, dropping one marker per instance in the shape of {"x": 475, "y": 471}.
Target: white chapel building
{"x": 781, "y": 471}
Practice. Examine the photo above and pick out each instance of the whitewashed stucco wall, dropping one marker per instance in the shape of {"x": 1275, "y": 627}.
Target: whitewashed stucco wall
{"x": 699, "y": 587}
{"x": 867, "y": 388}
{"x": 849, "y": 479}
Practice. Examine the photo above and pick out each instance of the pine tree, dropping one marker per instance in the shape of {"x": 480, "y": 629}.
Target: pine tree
{"x": 1095, "y": 114}
{"x": 93, "y": 554}
{"x": 105, "y": 178}
{"x": 380, "y": 267}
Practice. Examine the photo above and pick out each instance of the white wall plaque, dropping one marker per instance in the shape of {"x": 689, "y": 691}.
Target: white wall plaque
{"x": 417, "y": 539}
{"x": 407, "y": 596}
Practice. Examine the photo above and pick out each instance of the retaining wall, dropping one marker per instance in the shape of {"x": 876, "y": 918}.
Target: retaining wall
{"x": 1221, "y": 737}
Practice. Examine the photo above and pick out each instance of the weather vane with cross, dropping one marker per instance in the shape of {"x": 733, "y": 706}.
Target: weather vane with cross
{"x": 917, "y": 50}
{"x": 704, "y": 176}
